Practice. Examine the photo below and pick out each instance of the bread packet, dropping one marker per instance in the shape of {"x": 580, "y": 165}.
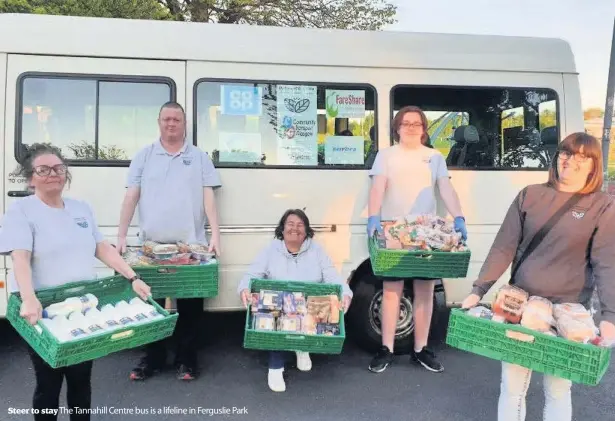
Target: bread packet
{"x": 319, "y": 308}
{"x": 308, "y": 325}
{"x": 538, "y": 314}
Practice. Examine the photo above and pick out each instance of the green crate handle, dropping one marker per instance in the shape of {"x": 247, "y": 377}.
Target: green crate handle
{"x": 122, "y": 335}
{"x": 517, "y": 336}
{"x": 297, "y": 337}
{"x": 167, "y": 270}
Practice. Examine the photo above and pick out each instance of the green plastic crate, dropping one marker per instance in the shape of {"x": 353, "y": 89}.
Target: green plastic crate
{"x": 107, "y": 290}
{"x": 556, "y": 356}
{"x": 284, "y": 341}
{"x": 181, "y": 281}
{"x": 417, "y": 264}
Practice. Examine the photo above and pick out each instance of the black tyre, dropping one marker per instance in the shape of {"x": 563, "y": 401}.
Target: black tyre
{"x": 363, "y": 317}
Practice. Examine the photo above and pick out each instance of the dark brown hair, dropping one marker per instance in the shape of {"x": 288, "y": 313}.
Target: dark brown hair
{"x": 592, "y": 149}
{"x": 279, "y": 231}
{"x": 26, "y": 168}
{"x": 399, "y": 118}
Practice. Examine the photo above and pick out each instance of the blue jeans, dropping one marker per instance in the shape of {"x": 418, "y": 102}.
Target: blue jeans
{"x": 277, "y": 359}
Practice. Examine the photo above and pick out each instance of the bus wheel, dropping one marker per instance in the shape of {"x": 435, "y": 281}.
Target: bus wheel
{"x": 364, "y": 319}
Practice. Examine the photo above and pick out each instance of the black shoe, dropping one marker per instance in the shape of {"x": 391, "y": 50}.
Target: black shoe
{"x": 427, "y": 359}
{"x": 381, "y": 361}
{"x": 185, "y": 373}
{"x": 144, "y": 370}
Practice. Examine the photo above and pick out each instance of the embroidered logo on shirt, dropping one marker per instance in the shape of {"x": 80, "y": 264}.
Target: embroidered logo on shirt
{"x": 82, "y": 222}
{"x": 426, "y": 159}
{"x": 187, "y": 161}
{"x": 578, "y": 215}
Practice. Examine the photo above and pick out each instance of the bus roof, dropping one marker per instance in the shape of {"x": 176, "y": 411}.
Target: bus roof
{"x": 169, "y": 40}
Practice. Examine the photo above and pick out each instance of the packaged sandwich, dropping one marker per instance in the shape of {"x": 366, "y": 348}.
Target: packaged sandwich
{"x": 183, "y": 247}
{"x": 300, "y": 303}
{"x": 148, "y": 248}
{"x": 328, "y": 329}
{"x": 264, "y": 321}
{"x": 289, "y": 323}
{"x": 270, "y": 300}
{"x": 289, "y": 305}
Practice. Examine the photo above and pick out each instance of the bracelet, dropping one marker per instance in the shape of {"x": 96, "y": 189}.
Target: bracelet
{"x": 134, "y": 278}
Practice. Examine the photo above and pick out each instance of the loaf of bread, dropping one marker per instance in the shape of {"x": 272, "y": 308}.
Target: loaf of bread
{"x": 574, "y": 322}
{"x": 538, "y": 314}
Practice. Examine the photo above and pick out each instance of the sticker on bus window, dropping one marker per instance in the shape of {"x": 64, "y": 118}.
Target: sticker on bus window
{"x": 297, "y": 126}
{"x": 345, "y": 104}
{"x": 348, "y": 150}
{"x": 241, "y": 100}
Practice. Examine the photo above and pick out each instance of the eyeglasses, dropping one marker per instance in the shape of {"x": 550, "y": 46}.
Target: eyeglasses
{"x": 405, "y": 124}
{"x": 565, "y": 156}
{"x": 45, "y": 170}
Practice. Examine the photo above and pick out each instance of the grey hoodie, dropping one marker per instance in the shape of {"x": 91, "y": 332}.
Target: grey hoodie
{"x": 312, "y": 264}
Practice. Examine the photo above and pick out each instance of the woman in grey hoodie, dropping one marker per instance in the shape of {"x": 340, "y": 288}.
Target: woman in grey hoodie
{"x": 292, "y": 256}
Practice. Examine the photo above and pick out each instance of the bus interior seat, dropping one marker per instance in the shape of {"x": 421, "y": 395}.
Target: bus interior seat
{"x": 548, "y": 138}
{"x": 466, "y": 139}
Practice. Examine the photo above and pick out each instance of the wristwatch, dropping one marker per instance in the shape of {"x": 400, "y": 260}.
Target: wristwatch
{"x": 134, "y": 278}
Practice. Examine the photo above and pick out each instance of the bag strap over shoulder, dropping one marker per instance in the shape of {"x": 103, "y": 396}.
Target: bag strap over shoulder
{"x": 542, "y": 233}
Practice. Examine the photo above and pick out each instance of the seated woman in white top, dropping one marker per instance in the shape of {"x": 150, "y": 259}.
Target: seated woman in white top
{"x": 292, "y": 256}
{"x": 53, "y": 241}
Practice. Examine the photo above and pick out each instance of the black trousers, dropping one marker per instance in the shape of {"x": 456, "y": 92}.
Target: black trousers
{"x": 49, "y": 384}
{"x": 186, "y": 336}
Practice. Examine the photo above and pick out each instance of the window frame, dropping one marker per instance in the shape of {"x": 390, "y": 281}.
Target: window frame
{"x": 18, "y": 143}
{"x": 469, "y": 87}
{"x": 366, "y": 165}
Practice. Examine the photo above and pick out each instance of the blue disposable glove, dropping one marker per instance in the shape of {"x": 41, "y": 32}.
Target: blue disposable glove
{"x": 374, "y": 224}
{"x": 460, "y": 226}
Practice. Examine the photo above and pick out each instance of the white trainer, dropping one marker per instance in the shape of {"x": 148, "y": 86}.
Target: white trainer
{"x": 276, "y": 380}
{"x": 304, "y": 363}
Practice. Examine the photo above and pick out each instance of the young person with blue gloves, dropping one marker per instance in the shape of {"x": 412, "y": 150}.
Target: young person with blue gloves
{"x": 404, "y": 177}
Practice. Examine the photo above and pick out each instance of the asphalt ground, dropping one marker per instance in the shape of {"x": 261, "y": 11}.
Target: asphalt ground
{"x": 233, "y": 382}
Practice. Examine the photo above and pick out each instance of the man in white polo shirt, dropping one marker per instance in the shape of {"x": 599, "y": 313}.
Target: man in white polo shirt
{"x": 173, "y": 183}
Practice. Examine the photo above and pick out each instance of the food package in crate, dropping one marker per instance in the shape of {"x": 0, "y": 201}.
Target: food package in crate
{"x": 510, "y": 303}
{"x": 80, "y": 317}
{"x": 538, "y": 314}
{"x": 421, "y": 232}
{"x": 574, "y": 322}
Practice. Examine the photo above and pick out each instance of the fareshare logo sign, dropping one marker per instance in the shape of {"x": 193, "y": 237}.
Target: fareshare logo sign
{"x": 345, "y": 104}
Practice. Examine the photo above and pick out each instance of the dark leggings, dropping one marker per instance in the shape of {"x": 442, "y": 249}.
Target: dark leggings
{"x": 49, "y": 384}
{"x": 189, "y": 311}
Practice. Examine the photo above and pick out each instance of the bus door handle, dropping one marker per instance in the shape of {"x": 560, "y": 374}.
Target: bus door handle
{"x": 19, "y": 193}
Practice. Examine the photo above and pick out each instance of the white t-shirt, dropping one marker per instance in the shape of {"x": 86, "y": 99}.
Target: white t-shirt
{"x": 411, "y": 180}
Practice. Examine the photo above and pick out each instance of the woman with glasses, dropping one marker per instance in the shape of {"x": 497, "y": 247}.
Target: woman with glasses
{"x": 575, "y": 256}
{"x": 54, "y": 240}
{"x": 404, "y": 178}
{"x": 292, "y": 256}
